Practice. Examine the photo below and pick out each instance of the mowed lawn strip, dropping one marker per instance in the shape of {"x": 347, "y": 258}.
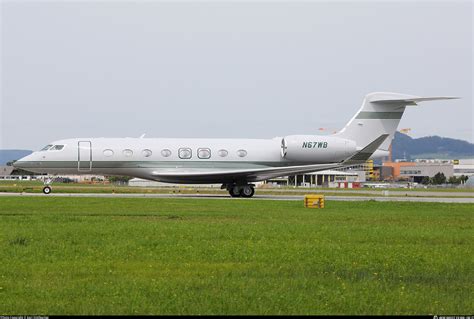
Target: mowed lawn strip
{"x": 201, "y": 256}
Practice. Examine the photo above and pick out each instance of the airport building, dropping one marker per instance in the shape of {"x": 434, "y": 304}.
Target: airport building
{"x": 6, "y": 170}
{"x": 6, "y": 175}
{"x": 327, "y": 178}
{"x": 416, "y": 170}
{"x": 463, "y": 167}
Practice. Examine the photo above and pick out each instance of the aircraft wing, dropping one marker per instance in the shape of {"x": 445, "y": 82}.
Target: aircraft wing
{"x": 237, "y": 175}
{"x": 364, "y": 154}
{"x": 260, "y": 174}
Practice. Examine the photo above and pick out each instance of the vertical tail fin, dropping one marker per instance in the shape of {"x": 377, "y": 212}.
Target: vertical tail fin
{"x": 380, "y": 114}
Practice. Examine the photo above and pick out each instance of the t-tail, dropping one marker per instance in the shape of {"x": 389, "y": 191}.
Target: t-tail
{"x": 380, "y": 114}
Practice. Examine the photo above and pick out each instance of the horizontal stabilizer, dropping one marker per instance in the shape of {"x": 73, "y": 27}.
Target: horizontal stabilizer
{"x": 404, "y": 98}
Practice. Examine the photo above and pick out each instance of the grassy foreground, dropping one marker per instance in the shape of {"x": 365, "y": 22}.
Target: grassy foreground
{"x": 204, "y": 256}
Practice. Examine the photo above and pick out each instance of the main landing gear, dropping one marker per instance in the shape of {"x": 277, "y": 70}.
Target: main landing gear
{"x": 234, "y": 190}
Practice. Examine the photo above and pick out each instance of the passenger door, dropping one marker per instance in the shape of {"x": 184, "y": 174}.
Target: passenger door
{"x": 84, "y": 157}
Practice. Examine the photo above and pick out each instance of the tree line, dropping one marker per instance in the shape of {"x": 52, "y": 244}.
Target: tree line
{"x": 440, "y": 179}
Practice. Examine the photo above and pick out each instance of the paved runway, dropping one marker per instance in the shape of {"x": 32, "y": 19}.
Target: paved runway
{"x": 264, "y": 197}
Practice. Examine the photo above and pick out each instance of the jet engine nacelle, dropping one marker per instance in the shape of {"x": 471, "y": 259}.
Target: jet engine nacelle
{"x": 316, "y": 149}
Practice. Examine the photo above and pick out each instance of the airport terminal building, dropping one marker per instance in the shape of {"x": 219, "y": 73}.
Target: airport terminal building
{"x": 415, "y": 171}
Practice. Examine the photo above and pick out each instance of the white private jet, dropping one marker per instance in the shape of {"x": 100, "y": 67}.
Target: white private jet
{"x": 236, "y": 163}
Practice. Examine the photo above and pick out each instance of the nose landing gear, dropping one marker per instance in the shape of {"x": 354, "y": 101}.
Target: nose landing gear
{"x": 234, "y": 190}
{"x": 47, "y": 185}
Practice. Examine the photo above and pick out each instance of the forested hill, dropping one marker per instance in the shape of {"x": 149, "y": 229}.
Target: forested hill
{"x": 403, "y": 146}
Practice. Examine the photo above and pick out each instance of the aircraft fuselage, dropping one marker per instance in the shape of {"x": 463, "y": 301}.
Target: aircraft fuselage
{"x": 148, "y": 157}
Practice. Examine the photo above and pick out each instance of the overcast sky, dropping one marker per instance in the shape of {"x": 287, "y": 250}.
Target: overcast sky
{"x": 228, "y": 69}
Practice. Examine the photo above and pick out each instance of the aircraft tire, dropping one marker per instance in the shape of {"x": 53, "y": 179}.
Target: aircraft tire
{"x": 247, "y": 191}
{"x": 47, "y": 190}
{"x": 234, "y": 191}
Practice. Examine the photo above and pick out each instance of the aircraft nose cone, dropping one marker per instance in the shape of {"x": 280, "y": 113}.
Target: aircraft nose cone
{"x": 19, "y": 164}
{"x": 23, "y": 162}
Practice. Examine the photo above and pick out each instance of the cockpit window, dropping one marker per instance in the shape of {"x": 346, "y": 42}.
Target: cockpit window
{"x": 56, "y": 148}
{"x": 46, "y": 147}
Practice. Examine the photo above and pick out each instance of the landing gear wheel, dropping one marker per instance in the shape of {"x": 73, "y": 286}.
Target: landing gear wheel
{"x": 247, "y": 191}
{"x": 234, "y": 191}
{"x": 47, "y": 190}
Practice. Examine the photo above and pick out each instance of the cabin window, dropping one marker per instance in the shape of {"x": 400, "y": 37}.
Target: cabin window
{"x": 56, "y": 148}
{"x": 46, "y": 147}
{"x": 185, "y": 153}
{"x": 204, "y": 153}
{"x": 242, "y": 153}
{"x": 127, "y": 153}
{"x": 108, "y": 153}
{"x": 147, "y": 153}
{"x": 166, "y": 153}
{"x": 223, "y": 153}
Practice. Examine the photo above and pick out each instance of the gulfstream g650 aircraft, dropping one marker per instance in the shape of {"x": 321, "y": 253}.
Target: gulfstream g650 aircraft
{"x": 235, "y": 163}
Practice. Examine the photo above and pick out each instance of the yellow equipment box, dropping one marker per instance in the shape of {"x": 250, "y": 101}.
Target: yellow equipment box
{"x": 314, "y": 201}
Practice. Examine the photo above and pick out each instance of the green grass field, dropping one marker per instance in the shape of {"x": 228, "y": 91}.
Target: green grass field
{"x": 205, "y": 256}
